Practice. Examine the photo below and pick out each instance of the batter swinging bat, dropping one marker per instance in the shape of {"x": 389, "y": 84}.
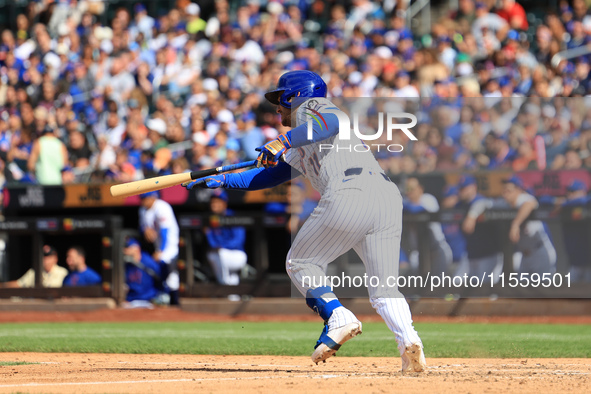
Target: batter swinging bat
{"x": 162, "y": 182}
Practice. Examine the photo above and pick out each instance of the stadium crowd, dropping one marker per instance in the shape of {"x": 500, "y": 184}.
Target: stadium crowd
{"x": 83, "y": 101}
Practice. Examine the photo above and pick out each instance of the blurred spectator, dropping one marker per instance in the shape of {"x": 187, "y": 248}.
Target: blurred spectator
{"x": 180, "y": 165}
{"x": 501, "y": 154}
{"x": 526, "y": 157}
{"x": 68, "y": 176}
{"x": 514, "y": 14}
{"x": 557, "y": 146}
{"x": 488, "y": 29}
{"x": 251, "y": 136}
{"x": 403, "y": 86}
{"x": 465, "y": 14}
{"x": 106, "y": 156}
{"x": 142, "y": 23}
{"x": 48, "y": 157}
{"x": 194, "y": 23}
{"x": 52, "y": 276}
{"x": 21, "y": 147}
{"x": 156, "y": 131}
{"x": 226, "y": 243}
{"x": 80, "y": 274}
{"x": 79, "y": 151}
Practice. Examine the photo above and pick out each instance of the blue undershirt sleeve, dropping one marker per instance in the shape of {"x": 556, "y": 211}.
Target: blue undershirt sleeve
{"x": 322, "y": 128}
{"x": 261, "y": 178}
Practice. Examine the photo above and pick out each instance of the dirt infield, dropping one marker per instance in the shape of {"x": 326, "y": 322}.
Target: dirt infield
{"x": 107, "y": 373}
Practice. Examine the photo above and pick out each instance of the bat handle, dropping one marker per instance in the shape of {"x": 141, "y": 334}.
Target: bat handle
{"x": 201, "y": 174}
{"x": 219, "y": 170}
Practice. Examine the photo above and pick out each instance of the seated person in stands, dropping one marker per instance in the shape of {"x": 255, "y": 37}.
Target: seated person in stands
{"x": 52, "y": 276}
{"x": 226, "y": 254}
{"x": 142, "y": 276}
{"x": 80, "y": 274}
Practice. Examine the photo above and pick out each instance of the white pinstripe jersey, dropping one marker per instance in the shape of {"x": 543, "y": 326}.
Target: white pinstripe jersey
{"x": 325, "y": 168}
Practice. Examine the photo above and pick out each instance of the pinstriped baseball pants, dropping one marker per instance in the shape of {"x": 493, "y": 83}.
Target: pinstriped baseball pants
{"x": 368, "y": 220}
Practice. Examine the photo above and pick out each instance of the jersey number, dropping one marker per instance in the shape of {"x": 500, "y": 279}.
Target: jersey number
{"x": 313, "y": 160}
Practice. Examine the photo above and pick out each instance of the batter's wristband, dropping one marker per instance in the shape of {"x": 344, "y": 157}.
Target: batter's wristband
{"x": 284, "y": 140}
{"x": 275, "y": 146}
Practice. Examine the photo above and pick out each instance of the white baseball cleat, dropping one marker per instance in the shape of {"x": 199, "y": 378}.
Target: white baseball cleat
{"x": 332, "y": 341}
{"x": 413, "y": 359}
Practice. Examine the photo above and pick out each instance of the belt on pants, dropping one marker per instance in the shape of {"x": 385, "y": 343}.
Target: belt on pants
{"x": 359, "y": 170}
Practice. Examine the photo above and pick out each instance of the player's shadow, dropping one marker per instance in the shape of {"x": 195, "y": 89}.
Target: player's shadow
{"x": 199, "y": 369}
{"x": 307, "y": 372}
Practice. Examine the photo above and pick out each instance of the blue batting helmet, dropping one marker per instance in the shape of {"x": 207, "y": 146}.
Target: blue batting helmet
{"x": 299, "y": 83}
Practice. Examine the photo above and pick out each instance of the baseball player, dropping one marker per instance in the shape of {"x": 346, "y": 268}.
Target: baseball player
{"x": 576, "y": 234}
{"x": 159, "y": 226}
{"x": 419, "y": 201}
{"x": 530, "y": 237}
{"x": 482, "y": 239}
{"x": 453, "y": 232}
{"x": 142, "y": 275}
{"x": 80, "y": 274}
{"x": 360, "y": 208}
{"x": 226, "y": 256}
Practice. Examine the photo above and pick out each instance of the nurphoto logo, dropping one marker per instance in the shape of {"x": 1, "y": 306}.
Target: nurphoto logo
{"x": 391, "y": 121}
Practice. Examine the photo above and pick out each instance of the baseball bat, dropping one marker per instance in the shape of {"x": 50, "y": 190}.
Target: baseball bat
{"x": 162, "y": 182}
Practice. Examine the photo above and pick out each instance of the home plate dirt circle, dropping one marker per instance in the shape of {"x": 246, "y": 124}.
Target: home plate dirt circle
{"x": 129, "y": 373}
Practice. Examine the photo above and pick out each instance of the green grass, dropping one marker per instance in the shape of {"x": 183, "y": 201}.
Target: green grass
{"x": 295, "y": 339}
{"x": 11, "y": 363}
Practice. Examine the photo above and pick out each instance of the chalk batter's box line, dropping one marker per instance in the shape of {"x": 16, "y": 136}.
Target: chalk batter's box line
{"x": 326, "y": 376}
